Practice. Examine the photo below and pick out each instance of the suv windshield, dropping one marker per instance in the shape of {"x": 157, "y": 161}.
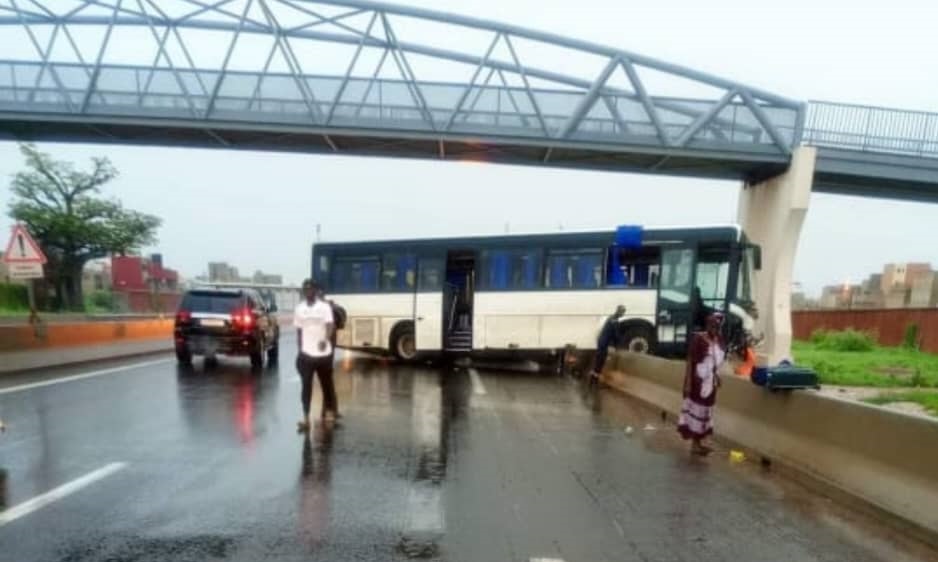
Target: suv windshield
{"x": 204, "y": 301}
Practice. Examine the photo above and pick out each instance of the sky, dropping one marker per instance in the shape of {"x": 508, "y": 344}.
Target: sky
{"x": 259, "y": 210}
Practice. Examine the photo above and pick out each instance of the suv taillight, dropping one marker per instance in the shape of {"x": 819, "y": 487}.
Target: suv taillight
{"x": 183, "y": 317}
{"x": 243, "y": 318}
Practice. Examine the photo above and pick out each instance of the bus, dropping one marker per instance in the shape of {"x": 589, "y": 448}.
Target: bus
{"x": 537, "y": 292}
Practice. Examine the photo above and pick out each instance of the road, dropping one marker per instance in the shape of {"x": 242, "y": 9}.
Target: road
{"x": 136, "y": 460}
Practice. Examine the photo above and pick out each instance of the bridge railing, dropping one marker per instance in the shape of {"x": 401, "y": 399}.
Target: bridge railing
{"x": 367, "y": 103}
{"x": 872, "y": 129}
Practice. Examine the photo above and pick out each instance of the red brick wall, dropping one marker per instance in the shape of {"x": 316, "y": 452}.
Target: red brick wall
{"x": 888, "y": 324}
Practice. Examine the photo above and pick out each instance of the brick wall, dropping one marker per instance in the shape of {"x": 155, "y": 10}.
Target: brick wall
{"x": 888, "y": 324}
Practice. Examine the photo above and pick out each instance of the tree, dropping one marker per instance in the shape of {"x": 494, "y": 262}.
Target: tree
{"x": 62, "y": 208}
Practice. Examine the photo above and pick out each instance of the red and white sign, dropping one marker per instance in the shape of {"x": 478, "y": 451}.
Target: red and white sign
{"x": 23, "y": 257}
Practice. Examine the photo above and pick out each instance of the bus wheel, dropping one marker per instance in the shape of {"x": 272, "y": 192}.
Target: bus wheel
{"x": 404, "y": 343}
{"x": 638, "y": 339}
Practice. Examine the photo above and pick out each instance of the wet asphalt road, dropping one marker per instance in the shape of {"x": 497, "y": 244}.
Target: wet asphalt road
{"x": 432, "y": 463}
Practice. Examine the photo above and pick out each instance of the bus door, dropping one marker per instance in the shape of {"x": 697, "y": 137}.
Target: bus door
{"x": 458, "y": 300}
{"x": 675, "y": 299}
{"x": 428, "y": 303}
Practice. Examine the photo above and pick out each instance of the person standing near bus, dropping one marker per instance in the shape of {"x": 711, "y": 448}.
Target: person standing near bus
{"x": 706, "y": 353}
{"x": 607, "y": 337}
{"x": 315, "y": 328}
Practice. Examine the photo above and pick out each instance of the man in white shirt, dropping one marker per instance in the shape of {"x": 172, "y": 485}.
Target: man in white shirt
{"x": 314, "y": 330}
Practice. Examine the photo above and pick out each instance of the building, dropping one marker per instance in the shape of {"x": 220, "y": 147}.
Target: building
{"x": 903, "y": 275}
{"x": 924, "y": 293}
{"x": 897, "y": 282}
{"x": 144, "y": 284}
{"x": 838, "y": 296}
{"x": 870, "y": 294}
{"x": 262, "y": 278}
{"x": 221, "y": 272}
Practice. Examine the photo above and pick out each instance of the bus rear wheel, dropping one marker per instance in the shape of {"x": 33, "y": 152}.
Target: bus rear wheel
{"x": 638, "y": 339}
{"x": 404, "y": 343}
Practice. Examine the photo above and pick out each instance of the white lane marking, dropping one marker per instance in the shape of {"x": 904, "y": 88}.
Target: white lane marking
{"x": 55, "y": 494}
{"x": 88, "y": 375}
{"x": 547, "y": 560}
{"x": 619, "y": 527}
{"x": 477, "y": 387}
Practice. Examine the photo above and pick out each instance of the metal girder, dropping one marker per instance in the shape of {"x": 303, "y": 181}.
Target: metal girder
{"x": 588, "y": 100}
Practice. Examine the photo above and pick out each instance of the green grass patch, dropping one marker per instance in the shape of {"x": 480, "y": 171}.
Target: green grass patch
{"x": 879, "y": 367}
{"x": 6, "y": 311}
{"x": 928, "y": 399}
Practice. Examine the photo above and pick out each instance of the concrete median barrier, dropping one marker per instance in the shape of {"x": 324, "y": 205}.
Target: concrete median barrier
{"x": 29, "y": 347}
{"x": 887, "y": 459}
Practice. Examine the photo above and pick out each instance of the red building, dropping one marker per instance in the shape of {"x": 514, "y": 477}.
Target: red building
{"x": 144, "y": 285}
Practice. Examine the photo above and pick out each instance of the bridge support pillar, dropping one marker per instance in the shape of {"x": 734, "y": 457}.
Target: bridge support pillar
{"x": 772, "y": 213}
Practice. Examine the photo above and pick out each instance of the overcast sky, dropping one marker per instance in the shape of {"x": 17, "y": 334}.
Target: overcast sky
{"x": 220, "y": 205}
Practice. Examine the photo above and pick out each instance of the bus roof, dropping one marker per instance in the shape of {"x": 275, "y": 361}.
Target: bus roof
{"x": 651, "y": 236}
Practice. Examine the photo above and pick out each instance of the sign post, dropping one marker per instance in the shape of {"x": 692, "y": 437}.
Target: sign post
{"x": 24, "y": 260}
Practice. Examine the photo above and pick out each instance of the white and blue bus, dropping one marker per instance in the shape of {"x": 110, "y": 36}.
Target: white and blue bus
{"x": 536, "y": 293}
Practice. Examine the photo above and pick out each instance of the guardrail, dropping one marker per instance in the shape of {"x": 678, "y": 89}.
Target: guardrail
{"x": 871, "y": 129}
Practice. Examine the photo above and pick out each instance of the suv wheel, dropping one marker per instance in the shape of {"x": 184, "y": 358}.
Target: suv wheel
{"x": 257, "y": 360}
{"x": 183, "y": 356}
{"x": 257, "y": 357}
{"x": 273, "y": 354}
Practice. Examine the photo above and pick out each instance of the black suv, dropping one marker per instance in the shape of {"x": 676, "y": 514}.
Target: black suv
{"x": 228, "y": 322}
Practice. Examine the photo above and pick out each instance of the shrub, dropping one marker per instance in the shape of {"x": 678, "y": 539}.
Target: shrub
{"x": 847, "y": 340}
{"x": 13, "y": 297}
{"x": 910, "y": 338}
{"x": 819, "y": 336}
{"x": 99, "y": 301}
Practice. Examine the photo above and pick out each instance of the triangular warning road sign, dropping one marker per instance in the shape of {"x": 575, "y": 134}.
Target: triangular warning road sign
{"x": 22, "y": 248}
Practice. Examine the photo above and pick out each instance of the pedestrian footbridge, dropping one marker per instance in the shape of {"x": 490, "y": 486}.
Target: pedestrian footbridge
{"x": 367, "y": 78}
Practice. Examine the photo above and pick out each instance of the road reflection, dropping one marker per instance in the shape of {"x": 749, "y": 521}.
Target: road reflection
{"x": 4, "y": 494}
{"x": 227, "y": 400}
{"x": 315, "y": 478}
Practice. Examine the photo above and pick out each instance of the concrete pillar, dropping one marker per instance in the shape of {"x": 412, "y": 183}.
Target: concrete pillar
{"x": 772, "y": 213}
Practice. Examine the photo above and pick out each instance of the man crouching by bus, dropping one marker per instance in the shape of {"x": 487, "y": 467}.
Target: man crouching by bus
{"x": 607, "y": 337}
{"x": 315, "y": 328}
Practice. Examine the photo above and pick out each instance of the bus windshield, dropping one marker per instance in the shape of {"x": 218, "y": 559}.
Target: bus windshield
{"x": 744, "y": 287}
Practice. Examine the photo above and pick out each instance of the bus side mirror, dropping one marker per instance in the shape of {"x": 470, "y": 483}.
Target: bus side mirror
{"x": 757, "y": 258}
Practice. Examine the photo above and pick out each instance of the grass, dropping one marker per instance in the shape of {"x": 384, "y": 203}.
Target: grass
{"x": 14, "y": 311}
{"x": 928, "y": 399}
{"x": 885, "y": 367}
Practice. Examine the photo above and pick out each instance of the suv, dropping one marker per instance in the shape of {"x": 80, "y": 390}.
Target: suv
{"x": 229, "y": 322}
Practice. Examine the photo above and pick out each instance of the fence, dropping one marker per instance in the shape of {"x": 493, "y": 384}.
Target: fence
{"x": 889, "y": 325}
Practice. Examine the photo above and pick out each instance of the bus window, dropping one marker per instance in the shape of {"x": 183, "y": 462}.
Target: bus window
{"x": 711, "y": 280}
{"x": 355, "y": 275}
{"x": 676, "y": 275}
{"x": 713, "y": 271}
{"x": 398, "y": 272}
{"x": 321, "y": 268}
{"x": 574, "y": 269}
{"x": 431, "y": 274}
{"x": 511, "y": 269}
{"x": 746, "y": 278}
{"x": 633, "y": 267}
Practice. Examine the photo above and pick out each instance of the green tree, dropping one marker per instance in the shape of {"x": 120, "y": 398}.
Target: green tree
{"x": 64, "y": 211}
